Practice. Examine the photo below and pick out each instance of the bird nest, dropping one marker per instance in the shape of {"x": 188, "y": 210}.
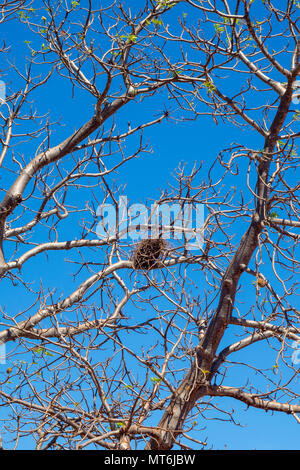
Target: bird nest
{"x": 148, "y": 253}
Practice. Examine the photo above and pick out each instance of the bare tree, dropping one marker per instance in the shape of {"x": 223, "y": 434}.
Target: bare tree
{"x": 126, "y": 349}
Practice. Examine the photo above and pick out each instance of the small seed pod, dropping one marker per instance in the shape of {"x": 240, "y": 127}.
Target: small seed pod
{"x": 261, "y": 282}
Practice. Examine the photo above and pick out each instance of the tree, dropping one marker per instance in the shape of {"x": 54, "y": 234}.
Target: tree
{"x": 111, "y": 351}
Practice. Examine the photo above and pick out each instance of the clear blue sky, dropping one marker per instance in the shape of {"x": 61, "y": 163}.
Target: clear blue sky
{"x": 190, "y": 142}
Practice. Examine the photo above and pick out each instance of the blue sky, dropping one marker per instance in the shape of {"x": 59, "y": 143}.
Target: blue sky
{"x": 173, "y": 142}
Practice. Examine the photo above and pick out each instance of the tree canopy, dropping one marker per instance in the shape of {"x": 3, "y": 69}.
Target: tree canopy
{"x": 116, "y": 338}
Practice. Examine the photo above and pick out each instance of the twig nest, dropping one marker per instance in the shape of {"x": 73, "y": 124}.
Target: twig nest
{"x": 149, "y": 253}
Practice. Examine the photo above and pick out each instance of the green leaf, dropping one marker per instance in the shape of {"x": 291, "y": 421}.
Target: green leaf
{"x": 176, "y": 73}
{"x": 155, "y": 380}
{"x": 156, "y": 21}
{"x": 210, "y": 86}
{"x": 120, "y": 424}
{"x": 226, "y": 20}
{"x": 218, "y": 28}
{"x": 129, "y": 37}
{"x": 38, "y": 350}
{"x": 165, "y": 3}
{"x": 296, "y": 115}
{"x": 23, "y": 15}
{"x": 132, "y": 38}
